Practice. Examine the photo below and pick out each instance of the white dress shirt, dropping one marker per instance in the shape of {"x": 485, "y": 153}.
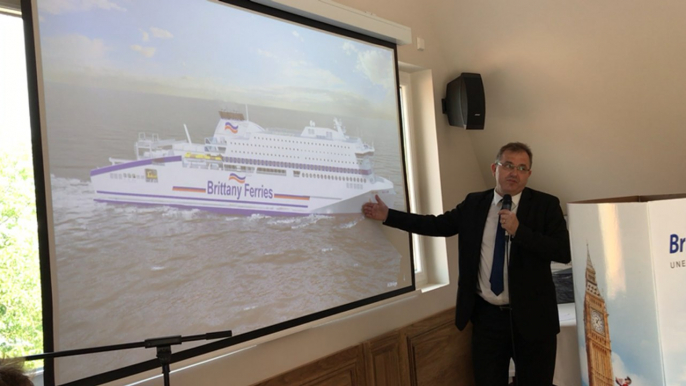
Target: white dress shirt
{"x": 487, "y": 247}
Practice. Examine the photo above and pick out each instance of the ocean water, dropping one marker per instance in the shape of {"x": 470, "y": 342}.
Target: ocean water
{"x": 126, "y": 273}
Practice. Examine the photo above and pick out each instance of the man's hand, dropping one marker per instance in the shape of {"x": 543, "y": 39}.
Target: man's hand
{"x": 509, "y": 221}
{"x": 377, "y": 210}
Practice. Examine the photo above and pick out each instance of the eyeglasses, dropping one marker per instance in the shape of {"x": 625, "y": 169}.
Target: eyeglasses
{"x": 511, "y": 167}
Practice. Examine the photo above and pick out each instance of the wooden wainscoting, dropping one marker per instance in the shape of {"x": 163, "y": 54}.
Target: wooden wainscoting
{"x": 431, "y": 352}
{"x": 344, "y": 368}
{"x": 386, "y": 360}
{"x": 438, "y": 353}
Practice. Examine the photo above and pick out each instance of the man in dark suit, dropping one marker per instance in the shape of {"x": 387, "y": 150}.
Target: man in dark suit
{"x": 511, "y": 304}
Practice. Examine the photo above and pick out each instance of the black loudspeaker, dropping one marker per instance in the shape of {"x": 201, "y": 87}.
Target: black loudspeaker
{"x": 465, "y": 102}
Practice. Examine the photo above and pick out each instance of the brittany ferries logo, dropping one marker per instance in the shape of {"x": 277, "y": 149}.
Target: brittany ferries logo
{"x": 232, "y": 128}
{"x": 241, "y": 190}
{"x": 237, "y": 178}
{"x": 676, "y": 246}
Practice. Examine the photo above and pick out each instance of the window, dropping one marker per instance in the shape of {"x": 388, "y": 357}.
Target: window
{"x": 406, "y": 111}
{"x": 21, "y": 319}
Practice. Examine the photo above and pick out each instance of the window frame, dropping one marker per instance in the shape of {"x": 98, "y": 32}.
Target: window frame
{"x": 411, "y": 156}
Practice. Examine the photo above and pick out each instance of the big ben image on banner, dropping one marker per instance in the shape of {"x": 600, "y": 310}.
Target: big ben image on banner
{"x": 630, "y": 307}
{"x": 598, "y": 347}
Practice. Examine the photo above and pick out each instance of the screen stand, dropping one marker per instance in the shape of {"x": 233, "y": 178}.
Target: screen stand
{"x": 164, "y": 355}
{"x": 164, "y": 352}
{"x": 163, "y": 346}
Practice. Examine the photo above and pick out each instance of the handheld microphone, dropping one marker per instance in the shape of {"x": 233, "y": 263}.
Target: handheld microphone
{"x": 507, "y": 204}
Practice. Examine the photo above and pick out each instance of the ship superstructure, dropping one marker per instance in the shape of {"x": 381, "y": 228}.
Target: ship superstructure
{"x": 244, "y": 168}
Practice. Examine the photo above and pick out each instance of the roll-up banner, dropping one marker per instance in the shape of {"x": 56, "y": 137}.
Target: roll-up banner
{"x": 629, "y": 263}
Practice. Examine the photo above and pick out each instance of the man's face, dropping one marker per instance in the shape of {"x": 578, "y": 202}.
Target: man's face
{"x": 511, "y": 181}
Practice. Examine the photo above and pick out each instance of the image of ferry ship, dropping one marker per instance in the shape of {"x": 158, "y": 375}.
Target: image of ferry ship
{"x": 246, "y": 169}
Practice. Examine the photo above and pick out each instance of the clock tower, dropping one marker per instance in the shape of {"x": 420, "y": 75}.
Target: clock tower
{"x": 598, "y": 349}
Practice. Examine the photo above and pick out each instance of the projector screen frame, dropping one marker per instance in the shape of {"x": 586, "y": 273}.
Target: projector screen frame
{"x": 45, "y": 221}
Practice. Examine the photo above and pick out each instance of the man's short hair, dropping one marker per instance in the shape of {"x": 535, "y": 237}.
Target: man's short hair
{"x": 12, "y": 373}
{"x": 516, "y": 147}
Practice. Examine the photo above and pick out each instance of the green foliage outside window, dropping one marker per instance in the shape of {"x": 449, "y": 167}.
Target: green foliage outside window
{"x": 21, "y": 329}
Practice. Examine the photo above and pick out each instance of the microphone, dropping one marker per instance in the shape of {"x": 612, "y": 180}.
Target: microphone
{"x": 507, "y": 204}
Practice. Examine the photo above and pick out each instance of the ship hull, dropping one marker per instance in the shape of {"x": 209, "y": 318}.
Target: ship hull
{"x": 167, "y": 181}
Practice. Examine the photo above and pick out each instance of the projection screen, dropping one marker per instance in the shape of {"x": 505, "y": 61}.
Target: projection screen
{"x": 205, "y": 165}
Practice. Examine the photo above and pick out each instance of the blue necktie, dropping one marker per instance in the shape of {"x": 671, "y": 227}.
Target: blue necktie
{"x": 498, "y": 260}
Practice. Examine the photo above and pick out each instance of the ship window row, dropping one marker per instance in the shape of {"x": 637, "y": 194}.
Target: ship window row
{"x": 277, "y": 172}
{"x": 323, "y": 160}
{"x": 127, "y": 176}
{"x": 292, "y": 156}
{"x": 239, "y": 168}
{"x": 264, "y": 154}
{"x": 292, "y": 149}
{"x": 358, "y": 162}
{"x": 297, "y": 142}
{"x": 293, "y": 165}
{"x": 337, "y": 178}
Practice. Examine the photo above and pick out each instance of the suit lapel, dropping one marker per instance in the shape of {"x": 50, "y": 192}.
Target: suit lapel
{"x": 481, "y": 215}
{"x": 482, "y": 211}
{"x": 524, "y": 205}
{"x": 522, "y": 216}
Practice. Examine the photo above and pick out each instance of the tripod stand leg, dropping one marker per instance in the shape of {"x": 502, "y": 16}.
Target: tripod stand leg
{"x": 164, "y": 355}
{"x": 165, "y": 372}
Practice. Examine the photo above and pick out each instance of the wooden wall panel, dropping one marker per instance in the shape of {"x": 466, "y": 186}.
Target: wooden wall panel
{"x": 386, "y": 361}
{"x": 345, "y": 368}
{"x": 439, "y": 354}
{"x": 431, "y": 352}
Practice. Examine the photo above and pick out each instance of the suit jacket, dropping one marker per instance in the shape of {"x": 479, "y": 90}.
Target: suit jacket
{"x": 541, "y": 238}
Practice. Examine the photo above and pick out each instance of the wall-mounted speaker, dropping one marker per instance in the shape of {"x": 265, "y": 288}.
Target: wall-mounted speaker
{"x": 465, "y": 102}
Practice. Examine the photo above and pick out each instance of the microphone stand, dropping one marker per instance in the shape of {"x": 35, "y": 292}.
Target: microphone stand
{"x": 163, "y": 346}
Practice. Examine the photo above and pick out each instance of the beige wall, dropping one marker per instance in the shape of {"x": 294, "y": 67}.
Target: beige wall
{"x": 596, "y": 88}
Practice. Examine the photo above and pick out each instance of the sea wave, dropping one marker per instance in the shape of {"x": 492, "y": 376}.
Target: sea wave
{"x": 304, "y": 222}
{"x": 351, "y": 224}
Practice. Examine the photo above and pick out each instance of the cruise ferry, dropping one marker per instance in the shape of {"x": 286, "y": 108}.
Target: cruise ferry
{"x": 247, "y": 169}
